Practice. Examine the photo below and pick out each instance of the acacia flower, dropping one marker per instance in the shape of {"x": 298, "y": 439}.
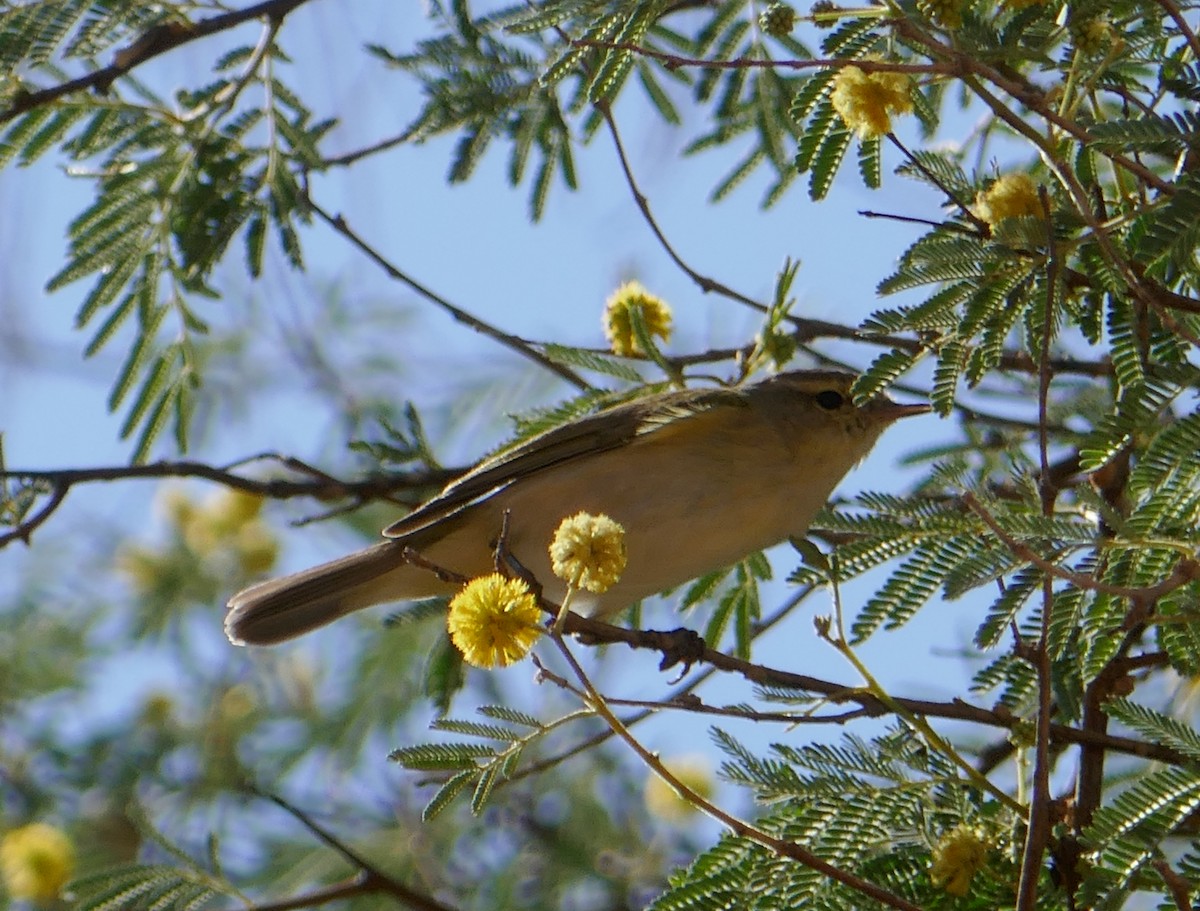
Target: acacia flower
{"x": 618, "y": 326}
{"x": 588, "y": 551}
{"x": 866, "y": 101}
{"x": 778, "y": 19}
{"x": 493, "y": 621}
{"x": 957, "y": 858}
{"x": 36, "y": 861}
{"x": 946, "y": 13}
{"x": 1010, "y": 196}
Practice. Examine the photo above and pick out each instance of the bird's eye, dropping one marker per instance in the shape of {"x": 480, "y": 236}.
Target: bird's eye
{"x": 830, "y": 400}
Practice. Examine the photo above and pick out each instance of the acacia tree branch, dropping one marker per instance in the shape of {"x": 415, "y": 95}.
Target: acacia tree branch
{"x": 1172, "y": 9}
{"x": 956, "y": 710}
{"x": 1177, "y": 885}
{"x": 370, "y": 879}
{"x": 961, "y": 64}
{"x": 807, "y": 329}
{"x": 706, "y": 283}
{"x": 683, "y": 645}
{"x": 1037, "y": 830}
{"x": 682, "y": 696}
{"x": 675, "y": 61}
{"x": 317, "y": 484}
{"x": 361, "y": 884}
{"x": 156, "y": 40}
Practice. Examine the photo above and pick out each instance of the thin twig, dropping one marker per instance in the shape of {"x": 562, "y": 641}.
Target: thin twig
{"x": 681, "y": 694}
{"x": 1177, "y": 885}
{"x": 706, "y": 284}
{"x": 697, "y": 707}
{"x": 319, "y": 486}
{"x": 1181, "y": 23}
{"x": 675, "y": 61}
{"x": 360, "y": 884}
{"x": 374, "y": 877}
{"x": 156, "y": 40}
{"x": 962, "y": 205}
{"x": 512, "y": 342}
{"x": 1187, "y": 570}
{"x": 913, "y": 220}
{"x": 24, "y": 531}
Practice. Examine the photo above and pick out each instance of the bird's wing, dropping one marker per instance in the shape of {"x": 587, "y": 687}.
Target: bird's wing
{"x": 606, "y": 430}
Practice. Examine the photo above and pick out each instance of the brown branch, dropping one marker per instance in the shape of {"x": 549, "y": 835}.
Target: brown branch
{"x": 960, "y": 64}
{"x": 153, "y": 42}
{"x": 807, "y": 330}
{"x": 372, "y": 878}
{"x": 696, "y": 706}
{"x": 24, "y": 530}
{"x": 956, "y": 710}
{"x": 1037, "y": 830}
{"x": 512, "y": 342}
{"x": 361, "y": 884}
{"x": 318, "y": 485}
{"x": 691, "y": 647}
{"x": 1177, "y": 885}
{"x": 1172, "y": 10}
{"x": 674, "y": 61}
{"x": 681, "y": 694}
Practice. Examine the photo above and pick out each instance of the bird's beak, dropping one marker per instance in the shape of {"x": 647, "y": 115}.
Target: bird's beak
{"x": 893, "y": 411}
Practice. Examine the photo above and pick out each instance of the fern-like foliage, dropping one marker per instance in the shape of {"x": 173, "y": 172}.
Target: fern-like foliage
{"x": 475, "y": 766}
{"x": 854, "y": 804}
{"x": 1127, "y": 834}
{"x": 172, "y": 192}
{"x": 147, "y": 888}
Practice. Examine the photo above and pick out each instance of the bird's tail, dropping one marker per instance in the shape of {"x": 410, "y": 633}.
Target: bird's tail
{"x": 283, "y": 608}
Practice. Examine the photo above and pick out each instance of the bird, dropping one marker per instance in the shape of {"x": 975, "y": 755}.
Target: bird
{"x": 699, "y": 478}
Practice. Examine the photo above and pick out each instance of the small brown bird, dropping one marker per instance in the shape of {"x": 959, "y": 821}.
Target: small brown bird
{"x": 698, "y": 478}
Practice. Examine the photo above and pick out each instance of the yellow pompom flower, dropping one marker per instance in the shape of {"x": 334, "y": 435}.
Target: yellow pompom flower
{"x": 664, "y": 802}
{"x": 866, "y": 101}
{"x": 36, "y": 861}
{"x": 1010, "y": 196}
{"x": 493, "y": 621}
{"x": 589, "y": 551}
{"x": 618, "y": 326}
{"x": 956, "y": 860}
